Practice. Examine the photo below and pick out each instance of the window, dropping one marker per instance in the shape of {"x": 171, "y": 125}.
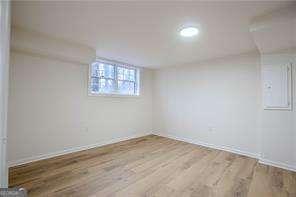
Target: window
{"x": 113, "y": 78}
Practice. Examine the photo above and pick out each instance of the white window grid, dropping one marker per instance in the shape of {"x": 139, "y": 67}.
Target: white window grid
{"x": 115, "y": 79}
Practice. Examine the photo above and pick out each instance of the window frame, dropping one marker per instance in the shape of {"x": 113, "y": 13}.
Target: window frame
{"x": 116, "y": 93}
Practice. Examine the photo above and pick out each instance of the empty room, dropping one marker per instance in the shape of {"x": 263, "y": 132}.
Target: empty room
{"x": 148, "y": 98}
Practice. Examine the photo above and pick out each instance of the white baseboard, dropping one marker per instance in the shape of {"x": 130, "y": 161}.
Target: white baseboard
{"x": 72, "y": 150}
{"x": 232, "y": 150}
{"x": 277, "y": 164}
{"x": 224, "y": 148}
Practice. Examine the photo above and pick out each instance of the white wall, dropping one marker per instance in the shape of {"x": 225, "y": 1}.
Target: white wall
{"x": 27, "y": 41}
{"x": 214, "y": 102}
{"x": 50, "y": 111}
{"x": 4, "y": 72}
{"x": 274, "y": 36}
{"x": 218, "y": 103}
{"x": 278, "y": 131}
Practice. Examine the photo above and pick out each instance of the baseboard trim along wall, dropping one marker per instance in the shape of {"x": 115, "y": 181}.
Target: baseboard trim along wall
{"x": 115, "y": 140}
{"x": 72, "y": 150}
{"x": 277, "y": 164}
{"x": 224, "y": 148}
{"x": 232, "y": 150}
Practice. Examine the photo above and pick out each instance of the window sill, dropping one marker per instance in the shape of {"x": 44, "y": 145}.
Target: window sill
{"x": 113, "y": 95}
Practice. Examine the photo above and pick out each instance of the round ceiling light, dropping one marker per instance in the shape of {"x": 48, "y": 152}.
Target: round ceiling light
{"x": 189, "y": 31}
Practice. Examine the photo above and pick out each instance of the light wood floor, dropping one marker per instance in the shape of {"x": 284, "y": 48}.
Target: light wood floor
{"x": 153, "y": 166}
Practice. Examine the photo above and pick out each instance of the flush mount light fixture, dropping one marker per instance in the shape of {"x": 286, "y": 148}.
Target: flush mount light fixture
{"x": 189, "y": 31}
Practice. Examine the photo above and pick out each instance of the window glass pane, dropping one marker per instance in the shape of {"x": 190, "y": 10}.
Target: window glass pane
{"x": 95, "y": 69}
{"x": 126, "y": 74}
{"x": 94, "y": 85}
{"x": 102, "y": 70}
{"x": 106, "y": 85}
{"x": 102, "y": 76}
{"x": 132, "y": 75}
{"x": 109, "y": 71}
{"x": 120, "y": 72}
{"x": 126, "y": 87}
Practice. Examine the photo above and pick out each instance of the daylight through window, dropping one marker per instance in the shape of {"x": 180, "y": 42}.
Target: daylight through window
{"x": 113, "y": 78}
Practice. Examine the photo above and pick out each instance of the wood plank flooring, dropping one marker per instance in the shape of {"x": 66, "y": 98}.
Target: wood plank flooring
{"x": 153, "y": 166}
